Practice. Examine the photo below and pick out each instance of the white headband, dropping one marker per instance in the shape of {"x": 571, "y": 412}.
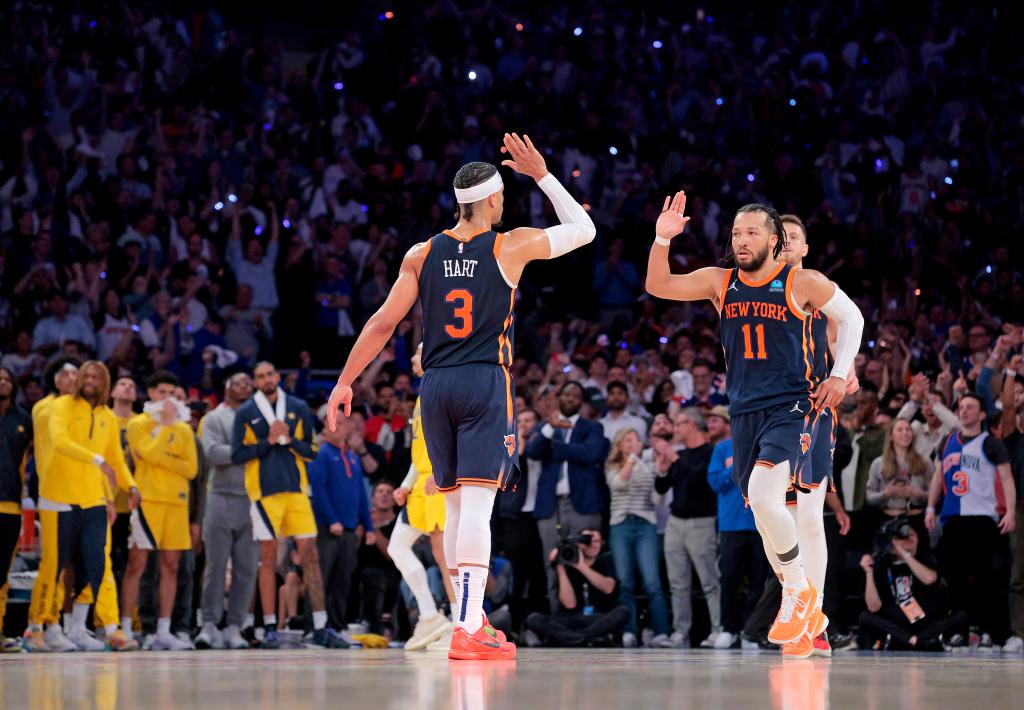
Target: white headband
{"x": 479, "y": 192}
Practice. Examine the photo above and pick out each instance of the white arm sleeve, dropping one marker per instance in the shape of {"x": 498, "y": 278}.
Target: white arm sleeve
{"x": 851, "y": 327}
{"x": 410, "y": 478}
{"x": 576, "y": 228}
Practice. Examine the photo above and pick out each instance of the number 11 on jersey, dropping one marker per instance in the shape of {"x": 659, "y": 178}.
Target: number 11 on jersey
{"x": 748, "y": 352}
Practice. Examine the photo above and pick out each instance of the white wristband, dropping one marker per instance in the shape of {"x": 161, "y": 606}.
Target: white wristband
{"x": 98, "y": 460}
{"x": 1010, "y": 373}
{"x": 662, "y": 242}
{"x": 930, "y": 509}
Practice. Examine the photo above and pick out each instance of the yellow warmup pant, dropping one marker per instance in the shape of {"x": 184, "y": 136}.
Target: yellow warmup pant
{"x": 48, "y": 591}
{"x": 106, "y": 611}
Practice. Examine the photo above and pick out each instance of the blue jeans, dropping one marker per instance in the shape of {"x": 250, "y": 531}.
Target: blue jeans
{"x": 635, "y": 545}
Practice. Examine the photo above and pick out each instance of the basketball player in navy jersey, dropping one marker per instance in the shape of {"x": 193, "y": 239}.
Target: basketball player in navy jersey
{"x": 808, "y": 509}
{"x": 775, "y": 397}
{"x": 465, "y": 279}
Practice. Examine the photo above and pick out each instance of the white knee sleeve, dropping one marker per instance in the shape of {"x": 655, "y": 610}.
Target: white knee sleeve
{"x": 473, "y": 545}
{"x": 767, "y": 495}
{"x": 452, "y": 507}
{"x": 811, "y": 533}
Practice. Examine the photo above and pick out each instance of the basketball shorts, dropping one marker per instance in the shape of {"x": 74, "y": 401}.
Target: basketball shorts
{"x": 786, "y": 432}
{"x": 423, "y": 512}
{"x": 282, "y": 515}
{"x": 160, "y": 526}
{"x": 469, "y": 425}
{"x": 819, "y": 469}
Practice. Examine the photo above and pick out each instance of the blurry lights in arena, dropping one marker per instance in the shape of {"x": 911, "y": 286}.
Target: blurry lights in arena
{"x": 613, "y": 150}
{"x": 586, "y": 206}
{"x": 267, "y": 127}
{"x": 663, "y": 340}
{"x": 364, "y": 208}
{"x": 948, "y": 180}
{"x": 751, "y": 177}
{"x": 232, "y": 198}
{"x": 988, "y": 269}
{"x": 917, "y": 292}
{"x": 719, "y": 101}
{"x": 389, "y": 15}
{"x": 954, "y": 163}
{"x": 578, "y": 31}
{"x": 218, "y": 206}
{"x": 472, "y": 76}
{"x": 519, "y": 27}
{"x": 92, "y": 24}
{"x": 657, "y": 44}
{"x": 258, "y": 230}
{"x": 792, "y": 102}
{"x": 286, "y": 223}
{"x": 576, "y": 173}
{"x": 338, "y": 85}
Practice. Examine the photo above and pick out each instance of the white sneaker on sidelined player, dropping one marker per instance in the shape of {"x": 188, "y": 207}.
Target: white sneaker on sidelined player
{"x": 57, "y": 641}
{"x": 427, "y": 631}
{"x": 84, "y": 641}
{"x": 725, "y": 640}
{"x": 169, "y": 642}
{"x": 1014, "y": 644}
{"x": 443, "y": 644}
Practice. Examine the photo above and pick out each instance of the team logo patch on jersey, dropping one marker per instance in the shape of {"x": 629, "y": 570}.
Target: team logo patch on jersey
{"x": 776, "y": 285}
{"x": 461, "y": 247}
{"x": 805, "y": 442}
{"x": 510, "y": 443}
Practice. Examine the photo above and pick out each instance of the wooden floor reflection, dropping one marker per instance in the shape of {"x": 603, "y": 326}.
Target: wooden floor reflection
{"x": 539, "y": 679}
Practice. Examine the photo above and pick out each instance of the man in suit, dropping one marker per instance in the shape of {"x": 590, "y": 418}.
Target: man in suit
{"x": 571, "y": 494}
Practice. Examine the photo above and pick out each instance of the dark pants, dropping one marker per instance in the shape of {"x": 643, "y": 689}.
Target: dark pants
{"x": 521, "y": 542}
{"x": 337, "y": 564}
{"x": 119, "y": 533}
{"x": 577, "y": 629}
{"x": 890, "y": 621}
{"x": 969, "y": 546}
{"x": 379, "y": 595}
{"x": 740, "y": 556}
{"x": 82, "y": 540}
{"x": 1016, "y": 604}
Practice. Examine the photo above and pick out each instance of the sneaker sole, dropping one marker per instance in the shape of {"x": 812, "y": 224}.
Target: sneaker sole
{"x": 421, "y": 644}
{"x": 796, "y": 657}
{"x": 482, "y": 655}
{"x": 821, "y": 653}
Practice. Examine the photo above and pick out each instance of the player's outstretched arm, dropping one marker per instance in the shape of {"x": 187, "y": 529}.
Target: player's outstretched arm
{"x": 812, "y": 288}
{"x": 575, "y": 228}
{"x": 378, "y": 330}
{"x": 661, "y": 282}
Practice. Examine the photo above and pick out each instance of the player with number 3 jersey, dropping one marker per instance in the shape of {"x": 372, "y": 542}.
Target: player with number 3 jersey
{"x": 465, "y": 279}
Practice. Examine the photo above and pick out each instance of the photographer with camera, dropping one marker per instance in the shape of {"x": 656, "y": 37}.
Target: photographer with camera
{"x": 905, "y": 597}
{"x": 587, "y": 608}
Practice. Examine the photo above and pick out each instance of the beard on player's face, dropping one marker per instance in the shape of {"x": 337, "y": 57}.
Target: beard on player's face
{"x": 756, "y": 260}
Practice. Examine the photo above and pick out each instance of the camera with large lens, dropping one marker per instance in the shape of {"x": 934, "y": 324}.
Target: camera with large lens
{"x": 894, "y": 529}
{"x": 568, "y": 550}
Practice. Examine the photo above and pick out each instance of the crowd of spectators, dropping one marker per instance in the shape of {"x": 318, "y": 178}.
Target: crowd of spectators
{"x": 185, "y": 190}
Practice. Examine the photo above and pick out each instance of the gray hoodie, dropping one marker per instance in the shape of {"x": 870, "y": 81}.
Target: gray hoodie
{"x": 225, "y": 477}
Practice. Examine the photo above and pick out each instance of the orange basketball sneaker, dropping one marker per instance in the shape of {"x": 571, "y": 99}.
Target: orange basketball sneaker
{"x": 821, "y": 646}
{"x": 801, "y": 648}
{"x": 480, "y": 646}
{"x": 798, "y": 611}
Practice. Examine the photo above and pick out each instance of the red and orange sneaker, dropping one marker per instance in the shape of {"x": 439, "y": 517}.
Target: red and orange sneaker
{"x": 481, "y": 646}
{"x": 797, "y": 612}
{"x": 501, "y": 634}
{"x": 801, "y": 648}
{"x": 821, "y": 646}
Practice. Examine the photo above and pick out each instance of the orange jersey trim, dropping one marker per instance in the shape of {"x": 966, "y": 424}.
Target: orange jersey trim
{"x": 453, "y": 235}
{"x": 725, "y": 287}
{"x": 789, "y": 296}
{"x": 767, "y": 279}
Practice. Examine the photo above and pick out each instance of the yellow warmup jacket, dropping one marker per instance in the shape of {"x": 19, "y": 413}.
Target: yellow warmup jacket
{"x": 41, "y": 434}
{"x": 121, "y": 497}
{"x": 165, "y": 459}
{"x": 78, "y": 432}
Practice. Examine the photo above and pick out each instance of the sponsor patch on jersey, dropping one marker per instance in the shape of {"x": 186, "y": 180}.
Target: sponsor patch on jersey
{"x": 510, "y": 443}
{"x": 776, "y": 286}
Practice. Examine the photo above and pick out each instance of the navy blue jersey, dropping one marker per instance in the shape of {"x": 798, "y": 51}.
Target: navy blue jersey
{"x": 467, "y": 304}
{"x": 767, "y": 342}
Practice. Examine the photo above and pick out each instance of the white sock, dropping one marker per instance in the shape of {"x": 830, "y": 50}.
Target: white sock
{"x": 319, "y": 620}
{"x": 68, "y": 623}
{"x": 79, "y": 615}
{"x": 126, "y": 624}
{"x": 400, "y": 550}
{"x": 811, "y": 533}
{"x": 270, "y": 619}
{"x": 793, "y": 575}
{"x": 163, "y": 626}
{"x": 471, "y": 601}
{"x": 110, "y": 630}
{"x": 250, "y": 620}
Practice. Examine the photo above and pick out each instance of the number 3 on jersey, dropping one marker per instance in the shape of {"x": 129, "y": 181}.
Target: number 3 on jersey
{"x": 463, "y": 313}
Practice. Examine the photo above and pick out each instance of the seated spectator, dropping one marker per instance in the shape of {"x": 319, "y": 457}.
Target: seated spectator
{"x": 634, "y": 534}
{"x": 587, "y": 609}
{"x": 21, "y": 361}
{"x": 906, "y": 604}
{"x": 59, "y": 327}
{"x": 899, "y": 479}
{"x": 379, "y": 579}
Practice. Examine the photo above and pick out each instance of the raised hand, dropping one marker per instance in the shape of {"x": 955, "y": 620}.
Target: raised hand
{"x": 526, "y": 159}
{"x": 671, "y": 222}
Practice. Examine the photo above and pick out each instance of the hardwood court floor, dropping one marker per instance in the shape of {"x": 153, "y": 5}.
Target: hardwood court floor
{"x": 537, "y": 680}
